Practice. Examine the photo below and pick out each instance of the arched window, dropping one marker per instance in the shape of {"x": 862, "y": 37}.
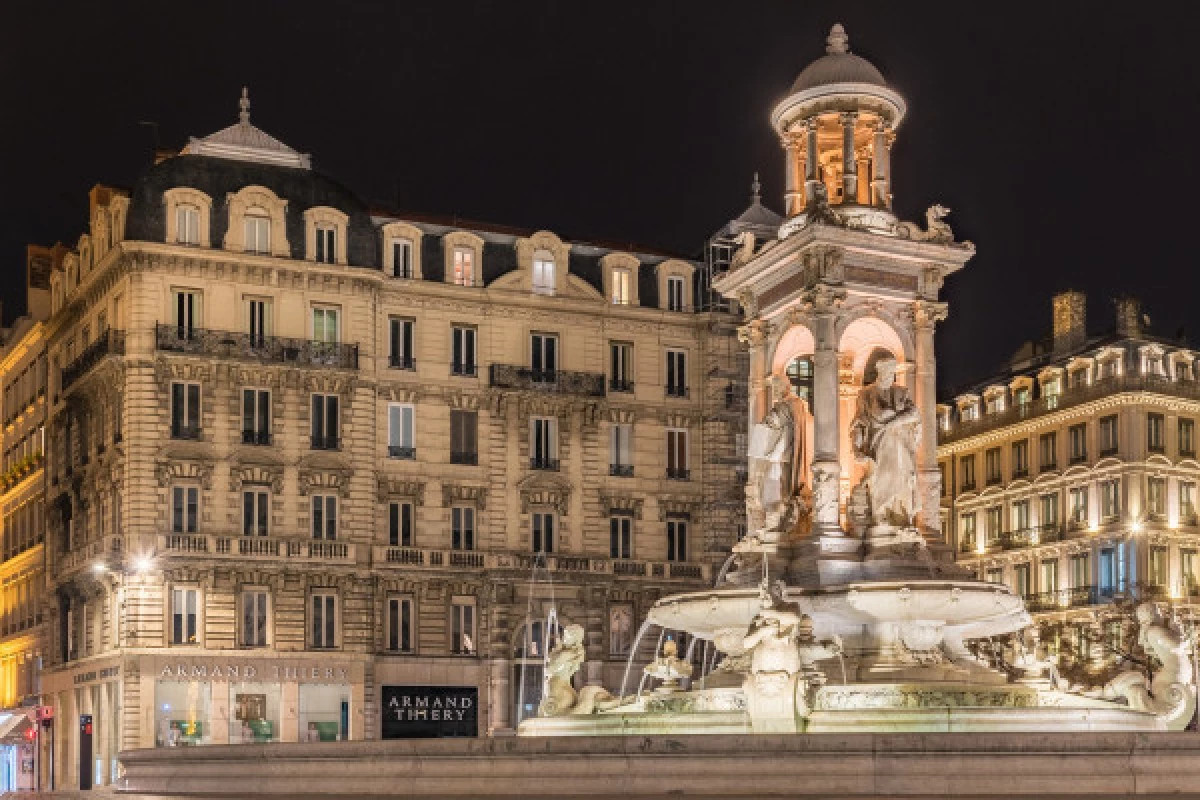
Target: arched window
{"x": 800, "y": 373}
{"x": 258, "y": 231}
{"x": 543, "y": 272}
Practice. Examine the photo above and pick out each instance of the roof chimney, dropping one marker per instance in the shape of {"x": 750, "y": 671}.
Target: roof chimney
{"x": 1070, "y": 320}
{"x": 1129, "y": 315}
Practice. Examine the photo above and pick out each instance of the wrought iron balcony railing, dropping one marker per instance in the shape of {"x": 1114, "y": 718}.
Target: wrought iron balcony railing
{"x": 678, "y": 473}
{"x": 181, "y": 431}
{"x": 402, "y": 362}
{"x": 111, "y": 342}
{"x": 558, "y": 381}
{"x": 465, "y": 370}
{"x": 254, "y": 347}
{"x": 621, "y": 470}
{"x": 326, "y": 443}
{"x": 1028, "y": 537}
{"x": 462, "y": 457}
{"x": 677, "y": 391}
{"x": 620, "y": 385}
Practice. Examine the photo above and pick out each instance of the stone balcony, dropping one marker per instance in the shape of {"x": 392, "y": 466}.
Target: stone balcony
{"x": 257, "y": 548}
{"x": 384, "y": 557}
{"x": 111, "y": 342}
{"x": 247, "y": 347}
{"x": 101, "y": 551}
{"x": 556, "y": 381}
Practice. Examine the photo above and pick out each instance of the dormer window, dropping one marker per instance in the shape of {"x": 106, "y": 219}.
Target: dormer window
{"x": 675, "y": 293}
{"x": 258, "y": 231}
{"x": 620, "y": 287}
{"x": 326, "y": 245}
{"x": 402, "y": 263}
{"x": 543, "y": 272}
{"x": 187, "y": 225}
{"x": 464, "y": 266}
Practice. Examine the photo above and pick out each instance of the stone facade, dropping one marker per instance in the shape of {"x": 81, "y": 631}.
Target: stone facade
{"x": 301, "y": 450}
{"x": 1072, "y": 476}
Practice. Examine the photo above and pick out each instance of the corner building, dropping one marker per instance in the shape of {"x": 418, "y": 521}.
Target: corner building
{"x": 1071, "y": 476}
{"x": 303, "y": 454}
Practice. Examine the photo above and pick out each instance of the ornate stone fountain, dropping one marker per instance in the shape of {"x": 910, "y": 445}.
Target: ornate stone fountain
{"x": 844, "y": 610}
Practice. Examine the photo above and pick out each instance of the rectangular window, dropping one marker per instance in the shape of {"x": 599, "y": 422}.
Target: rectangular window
{"x": 254, "y": 618}
{"x": 185, "y": 604}
{"x": 543, "y": 443}
{"x": 967, "y": 467}
{"x": 1048, "y": 451}
{"x": 1156, "y": 497}
{"x": 256, "y": 512}
{"x": 258, "y": 321}
{"x": 1187, "y": 437}
{"x": 1110, "y": 499}
{"x": 542, "y": 530}
{"x": 1187, "y": 572}
{"x": 1187, "y": 503}
{"x": 1081, "y": 571}
{"x": 186, "y": 313}
{"x": 621, "y": 450}
{"x": 620, "y": 287}
{"x": 463, "y": 350}
{"x": 399, "y": 625}
{"x": 677, "y": 539}
{"x": 185, "y": 502}
{"x": 325, "y": 422}
{"x": 1020, "y": 458}
{"x": 1049, "y": 576}
{"x": 326, "y": 245}
{"x": 1078, "y": 439}
{"x": 1021, "y": 397}
{"x": 323, "y": 612}
{"x": 464, "y": 266}
{"x": 1021, "y": 580}
{"x": 462, "y": 626}
{"x": 187, "y": 225}
{"x": 401, "y": 436}
{"x": 1020, "y": 515}
{"x": 621, "y": 366}
{"x": 402, "y": 266}
{"x": 464, "y": 437}
{"x": 324, "y": 516}
{"x": 1079, "y": 505}
{"x": 185, "y": 410}
{"x": 1108, "y": 435}
{"x": 543, "y": 275}
{"x": 400, "y": 344}
{"x": 462, "y": 528}
{"x": 258, "y": 234}
{"x": 1048, "y": 510}
{"x": 675, "y": 293}
{"x": 1154, "y": 433}
{"x": 991, "y": 465}
{"x": 543, "y": 356}
{"x": 677, "y": 373}
{"x": 968, "y": 537}
{"x": 1108, "y": 572}
{"x": 620, "y": 536}
{"x": 1157, "y": 572}
{"x": 400, "y": 524}
{"x": 1077, "y": 378}
{"x": 256, "y": 416}
{"x": 677, "y": 454}
{"x": 994, "y": 575}
{"x": 995, "y": 523}
{"x": 325, "y": 325}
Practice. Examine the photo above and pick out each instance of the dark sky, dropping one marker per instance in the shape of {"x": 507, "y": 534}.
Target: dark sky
{"x": 1064, "y": 135}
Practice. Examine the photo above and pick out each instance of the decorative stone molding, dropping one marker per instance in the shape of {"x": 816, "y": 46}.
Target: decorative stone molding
{"x": 314, "y": 480}
{"x": 455, "y": 494}
{"x": 187, "y": 196}
{"x": 399, "y": 488}
{"x": 544, "y": 491}
{"x": 404, "y": 231}
{"x": 677, "y": 506}
{"x": 168, "y": 370}
{"x": 823, "y": 264}
{"x": 398, "y": 393}
{"x": 241, "y": 578}
{"x": 621, "y": 502}
{"x": 622, "y": 416}
{"x": 547, "y": 242}
{"x": 256, "y": 474}
{"x": 929, "y": 281}
{"x": 325, "y": 217}
{"x": 926, "y": 314}
{"x": 174, "y": 471}
{"x": 264, "y": 201}
{"x": 463, "y": 400}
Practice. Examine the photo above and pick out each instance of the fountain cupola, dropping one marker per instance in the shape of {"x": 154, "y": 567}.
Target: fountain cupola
{"x": 837, "y": 125}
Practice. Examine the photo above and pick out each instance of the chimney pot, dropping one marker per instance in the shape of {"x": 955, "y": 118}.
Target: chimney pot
{"x": 1070, "y": 320}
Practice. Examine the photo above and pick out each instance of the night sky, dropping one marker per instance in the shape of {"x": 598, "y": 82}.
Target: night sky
{"x": 1063, "y": 135}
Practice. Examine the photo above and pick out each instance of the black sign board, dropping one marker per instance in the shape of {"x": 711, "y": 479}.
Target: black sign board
{"x": 85, "y": 751}
{"x": 430, "y": 712}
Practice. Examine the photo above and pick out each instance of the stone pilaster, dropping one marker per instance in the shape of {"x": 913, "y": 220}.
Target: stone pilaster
{"x": 925, "y": 316}
{"x": 823, "y": 302}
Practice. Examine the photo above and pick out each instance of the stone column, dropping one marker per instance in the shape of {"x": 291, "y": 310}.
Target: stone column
{"x": 500, "y": 700}
{"x": 849, "y": 159}
{"x": 754, "y": 335}
{"x": 811, "y": 163}
{"x": 823, "y": 303}
{"x": 793, "y": 197}
{"x": 926, "y": 314}
{"x": 881, "y": 183}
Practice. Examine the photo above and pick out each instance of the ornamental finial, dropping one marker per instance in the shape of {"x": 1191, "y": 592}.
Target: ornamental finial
{"x": 837, "y": 42}
{"x": 756, "y": 188}
{"x": 244, "y": 105}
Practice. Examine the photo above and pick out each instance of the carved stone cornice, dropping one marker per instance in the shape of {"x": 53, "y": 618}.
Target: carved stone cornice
{"x": 392, "y": 488}
{"x": 328, "y": 479}
{"x": 457, "y": 494}
{"x": 620, "y": 502}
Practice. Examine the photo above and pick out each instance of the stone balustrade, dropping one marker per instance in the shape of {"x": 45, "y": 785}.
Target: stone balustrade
{"x": 257, "y": 548}
{"x": 426, "y": 558}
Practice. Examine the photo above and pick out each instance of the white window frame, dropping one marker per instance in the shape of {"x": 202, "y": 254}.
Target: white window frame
{"x": 256, "y": 223}
{"x": 544, "y": 278}
{"x": 325, "y": 243}
{"x": 401, "y": 246}
{"x": 257, "y": 500}
{"x": 324, "y": 623}
{"x": 402, "y": 430}
{"x": 543, "y": 442}
{"x": 677, "y": 539}
{"x": 254, "y": 602}
{"x": 319, "y": 332}
{"x": 402, "y": 339}
{"x": 463, "y": 624}
{"x": 187, "y": 224}
{"x": 620, "y": 282}
{"x": 257, "y": 402}
{"x": 184, "y": 617}
{"x": 620, "y": 535}
{"x": 400, "y": 511}
{"x": 463, "y": 259}
{"x": 676, "y": 293}
{"x": 465, "y": 339}
{"x": 676, "y": 441}
{"x": 620, "y": 443}
{"x": 675, "y": 380}
{"x": 259, "y": 319}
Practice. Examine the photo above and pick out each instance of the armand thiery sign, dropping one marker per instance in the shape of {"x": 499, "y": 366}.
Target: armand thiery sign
{"x": 430, "y": 712}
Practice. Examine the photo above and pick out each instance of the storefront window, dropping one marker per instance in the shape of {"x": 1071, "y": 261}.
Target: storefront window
{"x": 181, "y": 713}
{"x": 253, "y": 713}
{"x": 324, "y": 713}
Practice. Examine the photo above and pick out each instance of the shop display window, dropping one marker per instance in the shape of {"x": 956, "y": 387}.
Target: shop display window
{"x": 324, "y": 712}
{"x": 182, "y": 711}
